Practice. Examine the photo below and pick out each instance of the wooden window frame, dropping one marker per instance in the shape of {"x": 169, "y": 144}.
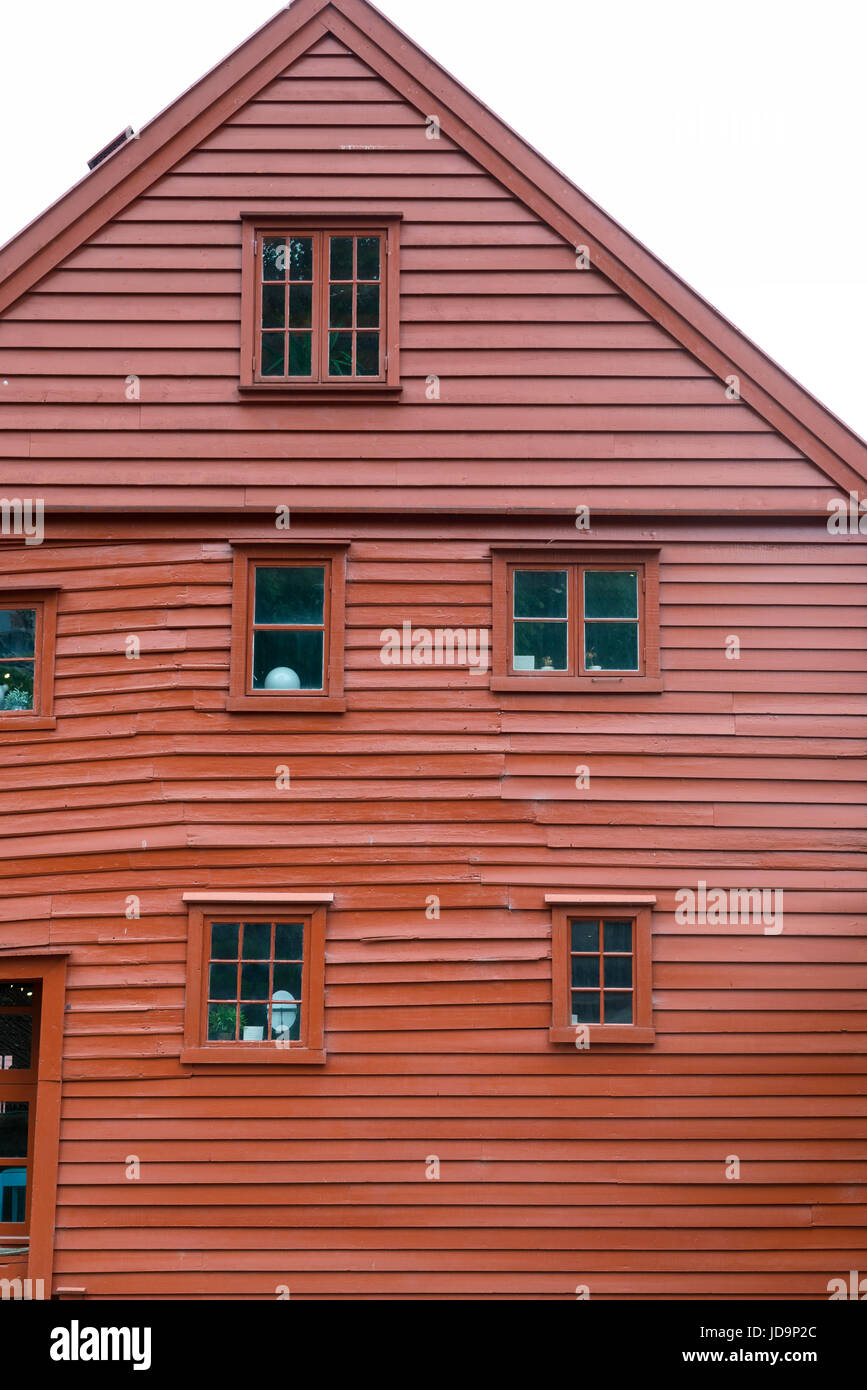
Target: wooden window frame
{"x": 638, "y": 908}
{"x": 576, "y": 558}
{"x": 300, "y": 223}
{"x": 37, "y": 1257}
{"x": 41, "y": 716}
{"x": 205, "y": 908}
{"x": 247, "y": 556}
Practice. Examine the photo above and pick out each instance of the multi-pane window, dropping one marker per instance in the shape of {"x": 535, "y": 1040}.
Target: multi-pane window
{"x": 256, "y": 981}
{"x": 287, "y": 627}
{"x": 27, "y": 630}
{"x": 19, "y": 1003}
{"x": 17, "y": 657}
{"x": 601, "y": 970}
{"x": 575, "y": 619}
{"x": 321, "y": 310}
{"x": 256, "y": 977}
{"x": 601, "y": 963}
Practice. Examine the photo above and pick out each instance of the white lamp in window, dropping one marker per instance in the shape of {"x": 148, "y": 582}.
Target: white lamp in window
{"x": 284, "y": 1011}
{"x": 282, "y": 678}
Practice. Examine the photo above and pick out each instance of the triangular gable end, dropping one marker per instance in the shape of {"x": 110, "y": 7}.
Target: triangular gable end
{"x": 361, "y": 30}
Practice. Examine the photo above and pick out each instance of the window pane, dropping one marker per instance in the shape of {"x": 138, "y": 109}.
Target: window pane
{"x": 585, "y": 935}
{"x": 300, "y": 354}
{"x": 368, "y": 354}
{"x": 618, "y": 972}
{"x": 618, "y": 1007}
{"x": 273, "y": 258}
{"x": 16, "y": 685}
{"x": 19, "y": 992}
{"x": 611, "y": 646}
{"x": 341, "y": 258}
{"x": 541, "y": 646}
{"x": 223, "y": 982}
{"x": 16, "y": 1031}
{"x": 285, "y": 1016}
{"x": 290, "y": 594}
{"x": 13, "y": 1128}
{"x": 369, "y": 258}
{"x": 224, "y": 941}
{"x": 273, "y": 306}
{"x": 289, "y": 941}
{"x": 367, "y": 306}
{"x": 618, "y": 936}
{"x": 610, "y": 594}
{"x": 222, "y": 1021}
{"x": 297, "y": 652}
{"x": 340, "y": 306}
{"x": 17, "y": 631}
{"x": 254, "y": 1022}
{"x": 13, "y": 1186}
{"x": 585, "y": 972}
{"x": 301, "y": 258}
{"x": 301, "y": 306}
{"x": 273, "y": 354}
{"x": 585, "y": 1006}
{"x": 340, "y": 354}
{"x": 257, "y": 941}
{"x": 254, "y": 981}
{"x": 288, "y": 977}
{"x": 541, "y": 594}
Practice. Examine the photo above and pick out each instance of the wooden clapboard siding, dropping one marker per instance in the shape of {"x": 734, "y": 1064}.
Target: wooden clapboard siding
{"x": 557, "y": 1169}
{"x": 558, "y": 389}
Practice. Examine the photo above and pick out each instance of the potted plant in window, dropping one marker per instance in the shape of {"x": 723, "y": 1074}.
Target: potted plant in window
{"x": 221, "y": 1022}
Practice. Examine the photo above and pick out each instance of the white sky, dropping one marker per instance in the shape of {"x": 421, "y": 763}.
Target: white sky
{"x": 730, "y": 139}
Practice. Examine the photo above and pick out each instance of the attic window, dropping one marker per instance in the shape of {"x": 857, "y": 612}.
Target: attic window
{"x": 320, "y": 305}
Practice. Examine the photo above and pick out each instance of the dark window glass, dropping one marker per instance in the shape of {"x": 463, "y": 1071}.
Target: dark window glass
{"x": 16, "y": 1034}
{"x": 13, "y": 1128}
{"x": 224, "y": 941}
{"x": 301, "y": 258}
{"x": 254, "y": 981}
{"x": 340, "y": 354}
{"x": 341, "y": 306}
{"x": 300, "y": 354}
{"x": 541, "y": 593}
{"x": 610, "y": 594}
{"x": 289, "y": 941}
{"x": 17, "y": 632}
{"x": 618, "y": 972}
{"x": 288, "y": 595}
{"x": 541, "y": 646}
{"x": 257, "y": 941}
{"x": 618, "y": 936}
{"x": 19, "y": 992}
{"x": 585, "y": 935}
{"x": 341, "y": 257}
{"x": 223, "y": 982}
{"x": 273, "y": 354}
{"x": 298, "y": 652}
{"x": 618, "y": 1007}
{"x": 369, "y": 258}
{"x": 367, "y": 306}
{"x": 585, "y": 972}
{"x": 273, "y": 306}
{"x": 585, "y": 1006}
{"x": 301, "y": 306}
{"x": 273, "y": 258}
{"x": 611, "y": 646}
{"x": 367, "y": 363}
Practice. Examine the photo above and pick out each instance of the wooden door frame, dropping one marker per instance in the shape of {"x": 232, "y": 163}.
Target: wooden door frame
{"x": 42, "y": 1184}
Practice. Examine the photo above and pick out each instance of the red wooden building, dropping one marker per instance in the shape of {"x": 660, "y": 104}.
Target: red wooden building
{"x": 431, "y": 726}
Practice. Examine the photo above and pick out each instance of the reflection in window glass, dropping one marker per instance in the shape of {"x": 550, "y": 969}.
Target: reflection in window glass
{"x": 257, "y": 996}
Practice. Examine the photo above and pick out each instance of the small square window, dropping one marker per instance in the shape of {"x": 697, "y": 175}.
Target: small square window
{"x": 255, "y": 981}
{"x": 320, "y": 304}
{"x": 601, "y": 982}
{"x": 288, "y": 628}
{"x": 27, "y": 637}
{"x": 569, "y": 620}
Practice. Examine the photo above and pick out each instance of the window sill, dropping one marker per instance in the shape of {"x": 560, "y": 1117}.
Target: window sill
{"x": 286, "y": 704}
{"x": 253, "y": 1055}
{"x": 603, "y": 1033}
{"x": 12, "y": 723}
{"x": 534, "y": 682}
{"x": 315, "y": 391}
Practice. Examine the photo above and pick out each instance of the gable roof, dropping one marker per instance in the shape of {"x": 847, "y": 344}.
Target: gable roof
{"x": 677, "y": 308}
